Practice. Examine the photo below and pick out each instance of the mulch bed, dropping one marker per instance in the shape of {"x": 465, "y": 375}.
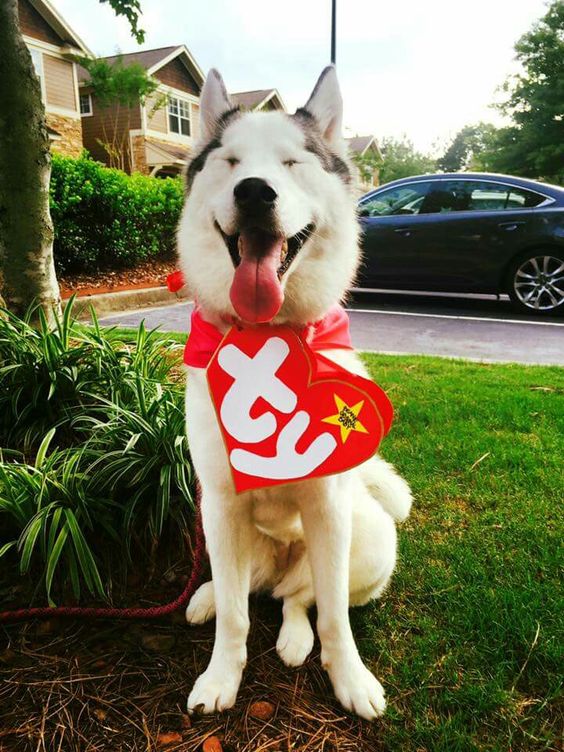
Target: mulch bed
{"x": 150, "y": 273}
{"x": 113, "y": 687}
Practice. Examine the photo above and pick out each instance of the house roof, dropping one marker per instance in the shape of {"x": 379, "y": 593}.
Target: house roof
{"x": 254, "y": 100}
{"x": 153, "y": 60}
{"x": 60, "y": 26}
{"x": 162, "y": 152}
{"x": 361, "y": 144}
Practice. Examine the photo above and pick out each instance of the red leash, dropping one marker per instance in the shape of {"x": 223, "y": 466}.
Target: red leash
{"x": 152, "y": 612}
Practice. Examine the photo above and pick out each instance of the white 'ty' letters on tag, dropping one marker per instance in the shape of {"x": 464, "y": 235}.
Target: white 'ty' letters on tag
{"x": 286, "y": 464}
{"x": 254, "y": 377}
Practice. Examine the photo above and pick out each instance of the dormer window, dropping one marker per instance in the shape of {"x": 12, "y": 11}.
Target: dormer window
{"x": 179, "y": 116}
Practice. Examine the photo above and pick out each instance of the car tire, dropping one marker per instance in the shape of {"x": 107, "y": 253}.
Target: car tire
{"x": 535, "y": 282}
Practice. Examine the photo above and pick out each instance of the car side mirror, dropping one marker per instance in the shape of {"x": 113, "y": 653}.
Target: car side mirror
{"x": 364, "y": 213}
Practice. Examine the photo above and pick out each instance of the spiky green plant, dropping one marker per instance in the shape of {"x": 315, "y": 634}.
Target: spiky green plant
{"x": 48, "y": 374}
{"x": 50, "y": 512}
{"x": 143, "y": 459}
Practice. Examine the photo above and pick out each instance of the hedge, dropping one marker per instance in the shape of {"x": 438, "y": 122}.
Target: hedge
{"x": 105, "y": 218}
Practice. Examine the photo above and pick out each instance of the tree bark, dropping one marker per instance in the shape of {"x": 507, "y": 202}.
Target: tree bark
{"x": 27, "y": 270}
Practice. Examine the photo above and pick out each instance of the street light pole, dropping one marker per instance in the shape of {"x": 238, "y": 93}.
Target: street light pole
{"x": 334, "y": 31}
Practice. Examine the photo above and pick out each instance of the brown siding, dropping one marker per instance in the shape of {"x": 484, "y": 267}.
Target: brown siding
{"x": 156, "y": 122}
{"x": 176, "y": 74}
{"x": 93, "y": 128}
{"x": 34, "y": 25}
{"x": 59, "y": 82}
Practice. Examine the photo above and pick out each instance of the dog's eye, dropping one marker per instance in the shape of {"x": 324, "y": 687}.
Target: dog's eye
{"x": 232, "y": 161}
{"x": 290, "y": 162}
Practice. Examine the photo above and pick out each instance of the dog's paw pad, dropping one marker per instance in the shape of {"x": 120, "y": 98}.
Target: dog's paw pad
{"x": 202, "y": 605}
{"x": 360, "y": 692}
{"x": 295, "y": 641}
{"x": 213, "y": 692}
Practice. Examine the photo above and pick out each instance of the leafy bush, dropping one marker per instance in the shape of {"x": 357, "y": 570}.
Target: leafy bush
{"x": 118, "y": 477}
{"x": 48, "y": 376}
{"x": 142, "y": 458}
{"x": 51, "y": 508}
{"x": 105, "y": 218}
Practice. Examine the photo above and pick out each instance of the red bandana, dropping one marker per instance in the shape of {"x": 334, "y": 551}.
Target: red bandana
{"x": 330, "y": 333}
{"x": 285, "y": 411}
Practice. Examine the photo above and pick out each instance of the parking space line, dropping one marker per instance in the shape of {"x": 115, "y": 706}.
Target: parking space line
{"x": 459, "y": 318}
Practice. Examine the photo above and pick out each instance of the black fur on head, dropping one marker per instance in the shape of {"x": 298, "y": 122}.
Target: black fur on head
{"x": 197, "y": 163}
{"x": 315, "y": 144}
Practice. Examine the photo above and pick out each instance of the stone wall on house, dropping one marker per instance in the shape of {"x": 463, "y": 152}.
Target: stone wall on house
{"x": 139, "y": 158}
{"x": 70, "y": 130}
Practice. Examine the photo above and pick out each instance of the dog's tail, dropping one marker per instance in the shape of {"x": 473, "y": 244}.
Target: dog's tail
{"x": 387, "y": 487}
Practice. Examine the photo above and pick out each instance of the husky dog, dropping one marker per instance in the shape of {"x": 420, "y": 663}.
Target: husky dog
{"x": 269, "y": 232}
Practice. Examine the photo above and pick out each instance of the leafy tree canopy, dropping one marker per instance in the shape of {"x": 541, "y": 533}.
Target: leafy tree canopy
{"x": 533, "y": 145}
{"x": 467, "y": 148}
{"x": 131, "y": 10}
{"x": 400, "y": 159}
{"x": 116, "y": 82}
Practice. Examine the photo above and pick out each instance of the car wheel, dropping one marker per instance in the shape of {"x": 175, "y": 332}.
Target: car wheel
{"x": 535, "y": 282}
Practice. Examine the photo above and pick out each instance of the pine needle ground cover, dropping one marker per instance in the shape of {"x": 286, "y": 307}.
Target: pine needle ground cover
{"x": 467, "y": 641}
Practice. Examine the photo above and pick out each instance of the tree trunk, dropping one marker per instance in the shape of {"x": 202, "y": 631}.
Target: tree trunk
{"x": 27, "y": 270}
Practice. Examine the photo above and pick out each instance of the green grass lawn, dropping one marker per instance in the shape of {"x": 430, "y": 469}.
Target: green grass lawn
{"x": 468, "y": 639}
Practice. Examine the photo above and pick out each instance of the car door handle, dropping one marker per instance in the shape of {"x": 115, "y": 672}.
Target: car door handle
{"x": 403, "y": 231}
{"x": 510, "y": 226}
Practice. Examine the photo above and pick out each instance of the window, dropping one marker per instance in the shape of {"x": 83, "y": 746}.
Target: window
{"x": 404, "y": 199}
{"x": 472, "y": 195}
{"x": 85, "y": 104}
{"x": 37, "y": 60}
{"x": 179, "y": 116}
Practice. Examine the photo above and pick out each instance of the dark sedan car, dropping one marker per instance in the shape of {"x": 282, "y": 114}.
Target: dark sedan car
{"x": 467, "y": 233}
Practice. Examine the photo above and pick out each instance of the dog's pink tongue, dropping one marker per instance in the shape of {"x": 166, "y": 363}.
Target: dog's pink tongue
{"x": 256, "y": 292}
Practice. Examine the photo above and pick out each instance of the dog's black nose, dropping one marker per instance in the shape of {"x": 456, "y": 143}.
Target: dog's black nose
{"x": 254, "y": 194}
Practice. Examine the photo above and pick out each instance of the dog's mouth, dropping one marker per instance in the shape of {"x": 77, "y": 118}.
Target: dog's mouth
{"x": 261, "y": 259}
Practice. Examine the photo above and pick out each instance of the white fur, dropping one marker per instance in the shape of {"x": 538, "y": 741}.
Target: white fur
{"x": 329, "y": 541}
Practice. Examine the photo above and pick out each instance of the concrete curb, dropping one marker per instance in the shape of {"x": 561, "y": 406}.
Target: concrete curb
{"x": 124, "y": 300}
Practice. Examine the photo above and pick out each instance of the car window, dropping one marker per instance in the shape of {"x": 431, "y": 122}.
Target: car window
{"x": 474, "y": 195}
{"x": 403, "y": 199}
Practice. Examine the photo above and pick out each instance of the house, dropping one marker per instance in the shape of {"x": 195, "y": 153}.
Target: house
{"x": 52, "y": 43}
{"x": 363, "y": 146}
{"x": 259, "y": 99}
{"x": 154, "y": 138}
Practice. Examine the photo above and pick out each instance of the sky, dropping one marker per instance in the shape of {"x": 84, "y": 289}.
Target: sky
{"x": 423, "y": 68}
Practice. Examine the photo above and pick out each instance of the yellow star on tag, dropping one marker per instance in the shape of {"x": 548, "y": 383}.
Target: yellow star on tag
{"x": 346, "y": 418}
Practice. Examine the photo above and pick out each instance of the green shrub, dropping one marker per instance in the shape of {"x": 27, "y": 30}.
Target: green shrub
{"x": 48, "y": 376}
{"x": 118, "y": 479}
{"x": 105, "y": 218}
{"x": 47, "y": 511}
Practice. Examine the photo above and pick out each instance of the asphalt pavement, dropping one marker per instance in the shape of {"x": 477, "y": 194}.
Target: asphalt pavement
{"x": 479, "y": 328}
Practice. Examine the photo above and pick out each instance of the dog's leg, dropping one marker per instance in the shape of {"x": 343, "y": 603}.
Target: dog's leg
{"x": 295, "y": 640}
{"x": 202, "y": 605}
{"x": 229, "y": 535}
{"x": 325, "y": 506}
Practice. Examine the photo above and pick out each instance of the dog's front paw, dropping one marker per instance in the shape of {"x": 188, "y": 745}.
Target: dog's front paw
{"x": 202, "y": 605}
{"x": 214, "y": 691}
{"x": 358, "y": 690}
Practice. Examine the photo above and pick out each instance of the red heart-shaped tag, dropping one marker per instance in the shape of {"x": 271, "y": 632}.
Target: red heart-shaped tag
{"x": 287, "y": 413}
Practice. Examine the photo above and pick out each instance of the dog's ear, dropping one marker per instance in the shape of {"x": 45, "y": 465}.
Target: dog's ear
{"x": 214, "y": 102}
{"x": 326, "y": 106}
